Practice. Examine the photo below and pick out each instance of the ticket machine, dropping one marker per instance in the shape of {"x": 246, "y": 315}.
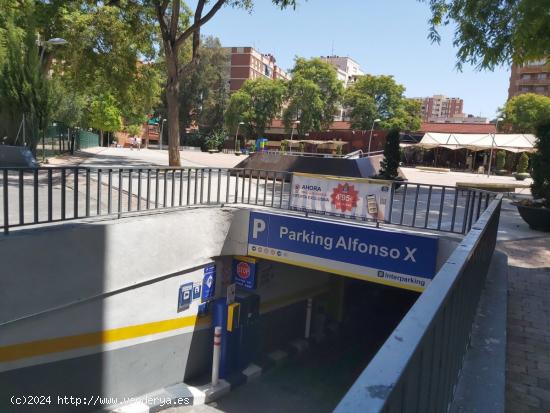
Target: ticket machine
{"x": 240, "y": 322}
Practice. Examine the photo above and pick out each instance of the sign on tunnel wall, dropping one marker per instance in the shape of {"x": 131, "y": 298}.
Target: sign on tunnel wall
{"x": 387, "y": 257}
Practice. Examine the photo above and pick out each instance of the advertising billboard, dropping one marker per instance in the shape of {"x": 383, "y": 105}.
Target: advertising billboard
{"x": 350, "y": 197}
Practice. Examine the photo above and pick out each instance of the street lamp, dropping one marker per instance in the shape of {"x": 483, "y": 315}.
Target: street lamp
{"x": 161, "y": 130}
{"x": 56, "y": 41}
{"x": 294, "y": 124}
{"x": 237, "y": 134}
{"x": 370, "y": 137}
{"x": 492, "y": 145}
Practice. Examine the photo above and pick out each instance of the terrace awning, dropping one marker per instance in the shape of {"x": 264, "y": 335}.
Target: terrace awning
{"x": 479, "y": 142}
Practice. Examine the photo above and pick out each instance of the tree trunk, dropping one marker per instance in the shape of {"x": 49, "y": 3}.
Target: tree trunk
{"x": 173, "y": 127}
{"x": 172, "y": 95}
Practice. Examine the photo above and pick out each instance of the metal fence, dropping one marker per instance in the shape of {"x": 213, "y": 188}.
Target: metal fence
{"x": 417, "y": 368}
{"x": 44, "y": 195}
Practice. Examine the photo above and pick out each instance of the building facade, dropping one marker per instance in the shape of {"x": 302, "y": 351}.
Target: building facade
{"x": 247, "y": 63}
{"x": 533, "y": 77}
{"x": 440, "y": 107}
{"x": 347, "y": 69}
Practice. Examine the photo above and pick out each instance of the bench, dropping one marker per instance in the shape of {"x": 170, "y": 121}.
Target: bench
{"x": 491, "y": 186}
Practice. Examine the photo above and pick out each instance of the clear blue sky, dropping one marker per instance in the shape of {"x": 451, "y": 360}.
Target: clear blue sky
{"x": 383, "y": 36}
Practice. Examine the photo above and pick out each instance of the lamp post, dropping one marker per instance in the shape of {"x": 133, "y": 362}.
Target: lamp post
{"x": 370, "y": 137}
{"x": 294, "y": 125}
{"x": 56, "y": 41}
{"x": 161, "y": 130}
{"x": 237, "y": 134}
{"x": 492, "y": 145}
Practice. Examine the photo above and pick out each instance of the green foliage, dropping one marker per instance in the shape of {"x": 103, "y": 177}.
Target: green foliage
{"x": 301, "y": 146}
{"x": 525, "y": 111}
{"x": 492, "y": 32}
{"x": 134, "y": 130}
{"x": 256, "y": 104}
{"x": 284, "y": 146}
{"x": 195, "y": 139}
{"x": 523, "y": 163}
{"x": 105, "y": 115}
{"x": 501, "y": 160}
{"x": 24, "y": 87}
{"x": 215, "y": 140}
{"x": 540, "y": 162}
{"x": 388, "y": 167}
{"x": 314, "y": 95}
{"x": 204, "y": 89}
{"x": 380, "y": 97}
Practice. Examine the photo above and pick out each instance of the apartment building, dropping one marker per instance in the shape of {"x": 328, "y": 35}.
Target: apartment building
{"x": 347, "y": 69}
{"x": 247, "y": 63}
{"x": 440, "y": 107}
{"x": 533, "y": 77}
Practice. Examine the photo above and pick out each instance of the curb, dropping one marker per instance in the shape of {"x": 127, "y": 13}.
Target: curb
{"x": 182, "y": 394}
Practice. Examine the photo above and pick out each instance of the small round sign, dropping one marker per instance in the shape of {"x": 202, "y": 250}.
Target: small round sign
{"x": 243, "y": 270}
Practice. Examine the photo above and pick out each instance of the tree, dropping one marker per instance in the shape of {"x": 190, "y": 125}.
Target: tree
{"x": 23, "y": 84}
{"x": 540, "y": 162}
{"x": 111, "y": 49}
{"x": 523, "y": 112}
{"x": 493, "y": 32}
{"x": 205, "y": 89}
{"x": 314, "y": 96}
{"x": 388, "y": 167}
{"x": 174, "y": 33}
{"x": 105, "y": 114}
{"x": 380, "y": 97}
{"x": 256, "y": 104}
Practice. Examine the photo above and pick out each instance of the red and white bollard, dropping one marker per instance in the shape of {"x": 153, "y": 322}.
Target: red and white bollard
{"x": 216, "y": 357}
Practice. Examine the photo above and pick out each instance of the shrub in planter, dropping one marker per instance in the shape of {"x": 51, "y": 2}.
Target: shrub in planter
{"x": 237, "y": 147}
{"x": 501, "y": 161}
{"x": 537, "y": 212}
{"x": 521, "y": 170}
{"x": 392, "y": 155}
{"x": 284, "y": 146}
{"x": 541, "y": 165}
{"x": 302, "y": 147}
{"x": 215, "y": 140}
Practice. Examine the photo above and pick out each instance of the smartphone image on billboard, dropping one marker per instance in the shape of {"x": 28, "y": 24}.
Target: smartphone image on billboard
{"x": 372, "y": 206}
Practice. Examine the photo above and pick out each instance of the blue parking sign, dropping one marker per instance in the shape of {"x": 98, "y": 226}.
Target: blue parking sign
{"x": 196, "y": 291}
{"x": 208, "y": 283}
{"x": 185, "y": 296}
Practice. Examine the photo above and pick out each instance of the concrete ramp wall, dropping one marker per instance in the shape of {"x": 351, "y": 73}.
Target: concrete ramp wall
{"x": 92, "y": 308}
{"x": 359, "y": 168}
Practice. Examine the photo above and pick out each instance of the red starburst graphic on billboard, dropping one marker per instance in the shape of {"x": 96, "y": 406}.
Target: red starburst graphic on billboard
{"x": 344, "y": 197}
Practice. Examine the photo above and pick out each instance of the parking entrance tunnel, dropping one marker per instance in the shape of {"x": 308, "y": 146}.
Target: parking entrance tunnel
{"x": 328, "y": 327}
{"x": 324, "y": 292}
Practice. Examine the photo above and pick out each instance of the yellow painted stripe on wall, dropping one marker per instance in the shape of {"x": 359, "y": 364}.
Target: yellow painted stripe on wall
{"x": 339, "y": 272}
{"x": 59, "y": 344}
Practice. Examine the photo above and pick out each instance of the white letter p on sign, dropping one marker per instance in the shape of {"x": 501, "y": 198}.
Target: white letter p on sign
{"x": 257, "y": 226}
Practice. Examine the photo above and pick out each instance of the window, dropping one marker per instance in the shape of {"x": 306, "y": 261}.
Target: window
{"x": 525, "y": 76}
{"x": 542, "y": 75}
{"x": 540, "y": 89}
{"x": 525, "y": 89}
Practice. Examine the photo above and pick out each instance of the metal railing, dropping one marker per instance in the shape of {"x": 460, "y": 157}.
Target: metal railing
{"x": 418, "y": 367}
{"x": 46, "y": 195}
